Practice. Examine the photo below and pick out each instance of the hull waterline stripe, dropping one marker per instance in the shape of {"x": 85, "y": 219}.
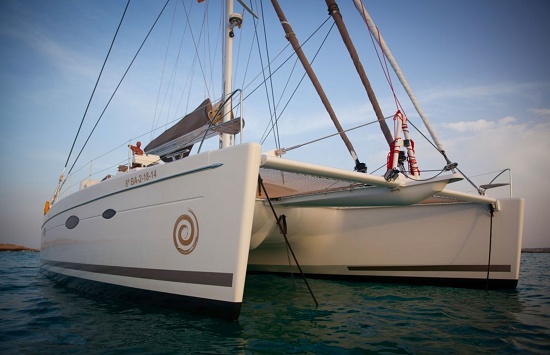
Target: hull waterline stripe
{"x": 196, "y": 305}
{"x": 445, "y": 268}
{"x": 208, "y": 167}
{"x": 479, "y": 283}
{"x": 192, "y": 277}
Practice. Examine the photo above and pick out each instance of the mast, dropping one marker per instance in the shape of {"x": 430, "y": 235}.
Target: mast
{"x": 334, "y": 11}
{"x": 233, "y": 20}
{"x": 374, "y": 30}
{"x": 227, "y": 72}
{"x": 291, "y": 37}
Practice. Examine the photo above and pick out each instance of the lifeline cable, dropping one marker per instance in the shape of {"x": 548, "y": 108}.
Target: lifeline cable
{"x": 260, "y": 181}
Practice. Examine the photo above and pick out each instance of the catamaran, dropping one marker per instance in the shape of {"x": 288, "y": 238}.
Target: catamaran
{"x": 182, "y": 230}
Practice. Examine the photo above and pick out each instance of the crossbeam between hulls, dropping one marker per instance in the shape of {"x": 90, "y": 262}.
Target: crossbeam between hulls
{"x": 274, "y": 162}
{"x": 468, "y": 197}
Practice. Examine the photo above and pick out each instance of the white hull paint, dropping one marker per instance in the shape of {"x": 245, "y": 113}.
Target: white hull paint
{"x": 158, "y": 210}
{"x": 440, "y": 244}
{"x": 184, "y": 234}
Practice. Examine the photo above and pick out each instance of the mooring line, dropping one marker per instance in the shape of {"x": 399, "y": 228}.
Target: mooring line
{"x": 283, "y": 231}
{"x": 491, "y": 211}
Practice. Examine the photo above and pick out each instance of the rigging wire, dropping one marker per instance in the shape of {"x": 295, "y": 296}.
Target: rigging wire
{"x": 304, "y": 75}
{"x": 219, "y": 111}
{"x": 332, "y": 135}
{"x": 272, "y": 73}
{"x": 219, "y": 33}
{"x": 155, "y": 118}
{"x": 269, "y": 128}
{"x": 189, "y": 79}
{"x": 250, "y": 54}
{"x": 95, "y": 86}
{"x": 131, "y": 63}
{"x": 172, "y": 81}
{"x": 264, "y": 137}
{"x": 263, "y": 69}
{"x": 385, "y": 68}
{"x": 116, "y": 89}
{"x": 196, "y": 47}
{"x": 273, "y": 114}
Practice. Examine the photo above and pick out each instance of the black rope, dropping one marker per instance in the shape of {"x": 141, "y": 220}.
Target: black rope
{"x": 283, "y": 231}
{"x": 427, "y": 179}
{"x": 491, "y": 210}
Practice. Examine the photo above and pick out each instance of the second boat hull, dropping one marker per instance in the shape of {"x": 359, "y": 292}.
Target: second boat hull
{"x": 452, "y": 244}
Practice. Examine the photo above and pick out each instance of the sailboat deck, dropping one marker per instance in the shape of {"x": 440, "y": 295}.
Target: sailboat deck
{"x": 287, "y": 184}
{"x": 282, "y": 184}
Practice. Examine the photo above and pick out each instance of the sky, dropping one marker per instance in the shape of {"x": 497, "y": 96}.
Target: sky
{"x": 478, "y": 68}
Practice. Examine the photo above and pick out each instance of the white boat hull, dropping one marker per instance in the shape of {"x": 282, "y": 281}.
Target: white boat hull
{"x": 179, "y": 236}
{"x": 184, "y": 234}
{"x": 440, "y": 244}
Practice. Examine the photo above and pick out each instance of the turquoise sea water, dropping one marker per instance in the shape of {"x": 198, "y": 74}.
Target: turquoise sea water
{"x": 38, "y": 316}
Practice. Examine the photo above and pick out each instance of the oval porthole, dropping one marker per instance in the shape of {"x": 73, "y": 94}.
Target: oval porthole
{"x": 72, "y": 222}
{"x": 108, "y": 214}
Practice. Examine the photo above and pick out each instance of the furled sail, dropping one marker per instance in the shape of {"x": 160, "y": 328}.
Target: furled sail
{"x": 177, "y": 141}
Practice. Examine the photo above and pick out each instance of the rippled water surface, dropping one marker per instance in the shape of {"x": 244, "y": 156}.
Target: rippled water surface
{"x": 278, "y": 315}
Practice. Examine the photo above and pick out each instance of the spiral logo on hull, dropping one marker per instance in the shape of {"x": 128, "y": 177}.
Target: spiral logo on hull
{"x": 186, "y": 232}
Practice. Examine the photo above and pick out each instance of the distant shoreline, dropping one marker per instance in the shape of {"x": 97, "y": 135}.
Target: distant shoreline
{"x": 535, "y": 250}
{"x": 13, "y": 247}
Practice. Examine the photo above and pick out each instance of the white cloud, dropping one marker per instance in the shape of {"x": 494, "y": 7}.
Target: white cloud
{"x": 541, "y": 111}
{"x": 481, "y": 91}
{"x": 470, "y": 126}
{"x": 507, "y": 120}
{"x": 479, "y": 125}
{"x": 485, "y": 146}
{"x": 484, "y": 140}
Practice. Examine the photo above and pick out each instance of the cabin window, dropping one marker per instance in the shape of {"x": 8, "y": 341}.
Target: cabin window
{"x": 72, "y": 222}
{"x": 108, "y": 214}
